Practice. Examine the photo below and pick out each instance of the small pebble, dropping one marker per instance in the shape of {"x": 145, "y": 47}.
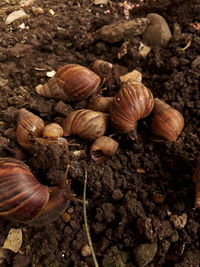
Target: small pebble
{"x": 179, "y": 221}
{"x": 174, "y": 237}
{"x": 196, "y": 62}
{"x": 65, "y": 217}
{"x": 144, "y": 254}
{"x": 16, "y": 15}
{"x": 37, "y": 11}
{"x": 158, "y": 32}
{"x": 52, "y": 12}
{"x": 86, "y": 251}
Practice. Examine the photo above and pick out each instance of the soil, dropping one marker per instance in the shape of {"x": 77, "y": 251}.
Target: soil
{"x": 133, "y": 195}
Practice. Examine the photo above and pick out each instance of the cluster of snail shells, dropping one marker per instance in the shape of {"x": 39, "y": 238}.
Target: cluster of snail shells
{"x": 31, "y": 129}
{"x": 133, "y": 102}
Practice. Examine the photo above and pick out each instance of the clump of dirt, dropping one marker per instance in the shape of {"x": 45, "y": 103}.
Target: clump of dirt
{"x": 133, "y": 195}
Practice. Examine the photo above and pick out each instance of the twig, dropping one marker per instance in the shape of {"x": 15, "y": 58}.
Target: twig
{"x": 86, "y": 223}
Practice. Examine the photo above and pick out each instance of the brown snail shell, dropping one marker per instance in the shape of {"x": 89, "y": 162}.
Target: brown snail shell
{"x": 24, "y": 199}
{"x": 134, "y": 101}
{"x": 101, "y": 104}
{"x": 88, "y": 124}
{"x": 166, "y": 122}
{"x": 52, "y": 130}
{"x": 102, "y": 68}
{"x": 103, "y": 148}
{"x": 196, "y": 179}
{"x": 29, "y": 126}
{"x": 72, "y": 82}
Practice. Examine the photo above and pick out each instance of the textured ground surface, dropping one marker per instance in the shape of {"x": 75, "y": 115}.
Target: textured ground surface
{"x": 133, "y": 195}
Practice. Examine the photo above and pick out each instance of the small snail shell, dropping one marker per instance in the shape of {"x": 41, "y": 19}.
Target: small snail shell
{"x": 52, "y": 130}
{"x": 24, "y": 199}
{"x": 134, "y": 101}
{"x": 71, "y": 82}
{"x": 29, "y": 125}
{"x": 101, "y": 104}
{"x": 166, "y": 122}
{"x": 196, "y": 179}
{"x": 86, "y": 123}
{"x": 102, "y": 148}
{"x": 102, "y": 68}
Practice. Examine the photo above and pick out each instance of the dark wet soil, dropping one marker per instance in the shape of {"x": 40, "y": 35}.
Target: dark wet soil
{"x": 132, "y": 195}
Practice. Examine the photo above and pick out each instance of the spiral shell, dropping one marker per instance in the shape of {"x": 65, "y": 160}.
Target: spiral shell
{"x": 86, "y": 123}
{"x": 134, "y": 101}
{"x": 103, "y": 148}
{"x": 72, "y": 82}
{"x": 21, "y": 195}
{"x": 166, "y": 122}
{"x": 52, "y": 130}
{"x": 29, "y": 125}
{"x": 101, "y": 104}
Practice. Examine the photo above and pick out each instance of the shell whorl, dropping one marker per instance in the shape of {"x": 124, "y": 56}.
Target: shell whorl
{"x": 22, "y": 197}
{"x": 134, "y": 101}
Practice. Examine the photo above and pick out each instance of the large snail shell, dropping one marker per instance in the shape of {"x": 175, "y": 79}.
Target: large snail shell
{"x": 167, "y": 122}
{"x": 134, "y": 101}
{"x": 86, "y": 123}
{"x": 29, "y": 125}
{"x": 71, "y": 82}
{"x": 21, "y": 195}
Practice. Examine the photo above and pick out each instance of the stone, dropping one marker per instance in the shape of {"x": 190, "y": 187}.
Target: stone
{"x": 144, "y": 254}
{"x": 158, "y": 32}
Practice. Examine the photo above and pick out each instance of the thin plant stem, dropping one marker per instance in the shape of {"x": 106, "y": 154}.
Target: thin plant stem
{"x": 86, "y": 222}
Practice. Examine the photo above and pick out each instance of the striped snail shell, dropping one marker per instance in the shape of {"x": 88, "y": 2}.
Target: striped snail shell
{"x": 29, "y": 125}
{"x": 103, "y": 148}
{"x": 24, "y": 199}
{"x": 86, "y": 123}
{"x": 72, "y": 82}
{"x": 166, "y": 122}
{"x": 134, "y": 101}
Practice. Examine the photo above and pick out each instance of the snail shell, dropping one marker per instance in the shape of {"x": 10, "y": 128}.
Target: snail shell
{"x": 102, "y": 68}
{"x": 134, "y": 101}
{"x": 88, "y": 124}
{"x": 196, "y": 179}
{"x": 24, "y": 199}
{"x": 29, "y": 125}
{"x": 103, "y": 148}
{"x": 101, "y": 104}
{"x": 71, "y": 82}
{"x": 52, "y": 130}
{"x": 166, "y": 122}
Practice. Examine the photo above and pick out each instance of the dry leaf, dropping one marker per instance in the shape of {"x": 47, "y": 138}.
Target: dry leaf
{"x": 14, "y": 240}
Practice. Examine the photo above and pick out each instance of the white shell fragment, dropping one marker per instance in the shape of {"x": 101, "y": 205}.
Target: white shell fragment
{"x": 16, "y": 15}
{"x": 51, "y": 74}
{"x": 134, "y": 75}
{"x": 100, "y": 2}
{"x": 14, "y": 240}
